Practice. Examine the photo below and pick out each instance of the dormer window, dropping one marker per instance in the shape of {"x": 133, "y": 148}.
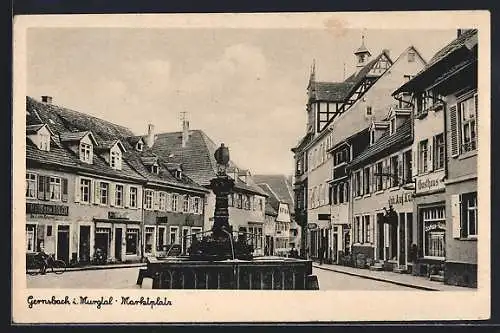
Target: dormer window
{"x": 116, "y": 160}
{"x": 85, "y": 152}
{"x": 368, "y": 110}
{"x": 372, "y": 137}
{"x": 44, "y": 141}
{"x": 139, "y": 146}
{"x": 155, "y": 169}
{"x": 411, "y": 56}
{"x": 178, "y": 174}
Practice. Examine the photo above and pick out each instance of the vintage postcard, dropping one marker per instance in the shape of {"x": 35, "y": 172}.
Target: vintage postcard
{"x": 276, "y": 167}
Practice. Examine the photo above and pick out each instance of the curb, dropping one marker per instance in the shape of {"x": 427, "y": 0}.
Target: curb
{"x": 404, "y": 284}
{"x": 95, "y": 268}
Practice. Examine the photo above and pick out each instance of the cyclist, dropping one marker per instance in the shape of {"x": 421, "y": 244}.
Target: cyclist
{"x": 43, "y": 256}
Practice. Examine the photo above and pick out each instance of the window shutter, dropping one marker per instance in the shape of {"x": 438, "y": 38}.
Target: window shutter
{"x": 414, "y": 163}
{"x": 96, "y": 190}
{"x": 126, "y": 196}
{"x": 139, "y": 197}
{"x": 64, "y": 196}
{"x": 455, "y": 215}
{"x": 387, "y": 171}
{"x": 77, "y": 189}
{"x": 454, "y": 131}
{"x": 400, "y": 179}
{"x": 47, "y": 188}
{"x": 112, "y": 194}
{"x": 372, "y": 230}
{"x": 41, "y": 187}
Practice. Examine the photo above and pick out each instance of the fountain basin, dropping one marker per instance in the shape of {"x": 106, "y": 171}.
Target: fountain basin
{"x": 261, "y": 273}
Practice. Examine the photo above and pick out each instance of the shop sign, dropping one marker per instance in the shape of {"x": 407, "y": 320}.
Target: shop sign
{"x": 43, "y": 209}
{"x": 431, "y": 182}
{"x": 434, "y": 226}
{"x": 323, "y": 217}
{"x": 312, "y": 226}
{"x": 118, "y": 215}
{"x": 400, "y": 199}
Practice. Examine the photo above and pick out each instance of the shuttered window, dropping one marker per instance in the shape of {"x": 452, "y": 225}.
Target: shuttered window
{"x": 454, "y": 129}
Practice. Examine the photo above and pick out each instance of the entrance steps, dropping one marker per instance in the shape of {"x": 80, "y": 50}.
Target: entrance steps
{"x": 377, "y": 266}
{"x": 401, "y": 269}
{"x": 437, "y": 278}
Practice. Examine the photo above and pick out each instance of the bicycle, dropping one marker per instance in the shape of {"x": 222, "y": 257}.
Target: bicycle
{"x": 56, "y": 266}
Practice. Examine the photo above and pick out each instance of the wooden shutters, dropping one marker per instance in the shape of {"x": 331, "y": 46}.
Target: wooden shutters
{"x": 454, "y": 131}
{"x": 64, "y": 189}
{"x": 455, "y": 215}
{"x": 77, "y": 189}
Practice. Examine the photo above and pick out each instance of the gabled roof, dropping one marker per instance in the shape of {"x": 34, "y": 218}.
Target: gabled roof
{"x": 133, "y": 140}
{"x": 76, "y": 136}
{"x": 197, "y": 157}
{"x": 108, "y": 144}
{"x": 33, "y": 129}
{"x": 385, "y": 145}
{"x": 279, "y": 185}
{"x": 332, "y": 91}
{"x": 430, "y": 73}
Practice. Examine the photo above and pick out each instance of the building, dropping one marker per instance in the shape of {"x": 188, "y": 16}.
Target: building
{"x": 338, "y": 111}
{"x": 445, "y": 104}
{"x": 194, "y": 151}
{"x": 80, "y": 195}
{"x": 173, "y": 203}
{"x": 381, "y": 204}
{"x": 279, "y": 213}
{"x": 118, "y": 196}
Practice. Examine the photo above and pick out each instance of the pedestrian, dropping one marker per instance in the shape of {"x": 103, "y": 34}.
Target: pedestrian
{"x": 43, "y": 259}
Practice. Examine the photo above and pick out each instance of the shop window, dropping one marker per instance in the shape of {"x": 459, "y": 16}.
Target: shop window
{"x": 149, "y": 239}
{"x": 434, "y": 226}
{"x": 30, "y": 237}
{"x": 132, "y": 241}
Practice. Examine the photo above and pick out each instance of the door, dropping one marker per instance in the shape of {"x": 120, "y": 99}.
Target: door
{"x": 402, "y": 240}
{"x": 184, "y": 240}
{"x": 102, "y": 242}
{"x": 63, "y": 243}
{"x": 118, "y": 244}
{"x": 380, "y": 240}
{"x": 84, "y": 246}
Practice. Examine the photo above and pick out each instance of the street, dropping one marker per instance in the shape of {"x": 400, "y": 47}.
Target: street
{"x": 125, "y": 278}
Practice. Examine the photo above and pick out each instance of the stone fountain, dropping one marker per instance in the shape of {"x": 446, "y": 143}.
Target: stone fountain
{"x": 223, "y": 259}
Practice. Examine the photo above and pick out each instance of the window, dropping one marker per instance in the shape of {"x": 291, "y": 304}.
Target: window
{"x": 434, "y": 222}
{"x": 357, "y": 183}
{"x": 148, "y": 199}
{"x": 103, "y": 193}
{"x": 368, "y": 110}
{"x": 31, "y": 185}
{"x": 395, "y": 171}
{"x": 155, "y": 169}
{"x": 173, "y": 235}
{"x": 379, "y": 176}
{"x": 469, "y": 214}
{"x": 49, "y": 231}
{"x": 368, "y": 236}
{"x": 366, "y": 180}
{"x": 85, "y": 152}
{"x": 30, "y": 237}
{"x": 230, "y": 201}
{"x": 162, "y": 201}
{"x": 197, "y": 205}
{"x": 133, "y": 197}
{"x": 239, "y": 200}
{"x": 45, "y": 142}
{"x": 116, "y": 160}
{"x": 341, "y": 156}
{"x": 468, "y": 110}
{"x": 149, "y": 239}
{"x": 160, "y": 238}
{"x": 139, "y": 146}
{"x": 178, "y": 174}
{"x": 422, "y": 152}
{"x": 175, "y": 202}
{"x": 131, "y": 241}
{"x": 341, "y": 189}
{"x": 392, "y": 126}
{"x": 185, "y": 204}
{"x": 85, "y": 190}
{"x": 407, "y": 160}
{"x": 261, "y": 204}
{"x": 439, "y": 148}
{"x": 118, "y": 195}
{"x": 357, "y": 228}
{"x": 55, "y": 188}
{"x": 334, "y": 194}
{"x": 247, "y": 202}
{"x": 407, "y": 77}
{"x": 372, "y": 137}
{"x": 411, "y": 56}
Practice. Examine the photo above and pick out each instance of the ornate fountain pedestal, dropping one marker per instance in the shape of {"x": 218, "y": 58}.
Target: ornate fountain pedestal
{"x": 219, "y": 260}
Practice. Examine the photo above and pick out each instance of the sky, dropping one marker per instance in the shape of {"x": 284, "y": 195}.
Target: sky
{"x": 243, "y": 87}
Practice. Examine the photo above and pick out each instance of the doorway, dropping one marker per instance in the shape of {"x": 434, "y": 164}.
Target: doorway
{"x": 84, "y": 246}
{"x": 184, "y": 240}
{"x": 402, "y": 240}
{"x": 102, "y": 240}
{"x": 63, "y": 243}
{"x": 118, "y": 244}
{"x": 380, "y": 238}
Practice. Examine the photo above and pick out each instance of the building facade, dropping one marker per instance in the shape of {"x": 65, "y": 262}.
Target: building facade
{"x": 445, "y": 98}
{"x": 337, "y": 111}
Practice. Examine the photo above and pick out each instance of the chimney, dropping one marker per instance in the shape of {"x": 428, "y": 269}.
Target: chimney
{"x": 185, "y": 132}
{"x": 150, "y": 139}
{"x": 387, "y": 52}
{"x": 47, "y": 99}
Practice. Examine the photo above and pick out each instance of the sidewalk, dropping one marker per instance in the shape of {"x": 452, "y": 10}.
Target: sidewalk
{"x": 406, "y": 280}
{"x": 106, "y": 266}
